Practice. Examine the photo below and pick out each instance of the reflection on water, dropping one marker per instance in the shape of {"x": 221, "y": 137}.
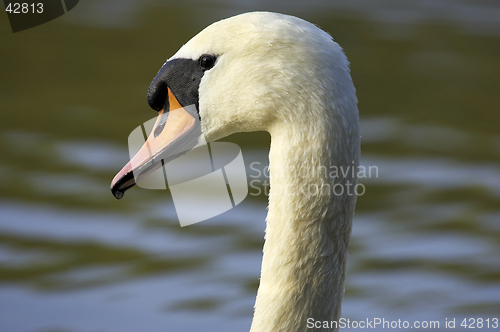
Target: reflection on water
{"x": 426, "y": 233}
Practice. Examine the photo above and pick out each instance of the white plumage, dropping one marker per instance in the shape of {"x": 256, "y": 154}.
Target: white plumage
{"x": 286, "y": 76}
{"x": 281, "y": 74}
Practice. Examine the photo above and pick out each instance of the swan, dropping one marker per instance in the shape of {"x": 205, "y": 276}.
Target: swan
{"x": 263, "y": 71}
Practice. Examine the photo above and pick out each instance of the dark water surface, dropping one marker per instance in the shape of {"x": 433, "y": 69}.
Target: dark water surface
{"x": 426, "y": 237}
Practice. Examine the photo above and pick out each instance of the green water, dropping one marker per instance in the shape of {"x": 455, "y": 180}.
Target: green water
{"x": 426, "y": 237}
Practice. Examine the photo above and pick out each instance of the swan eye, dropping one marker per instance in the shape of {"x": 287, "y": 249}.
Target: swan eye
{"x": 207, "y": 61}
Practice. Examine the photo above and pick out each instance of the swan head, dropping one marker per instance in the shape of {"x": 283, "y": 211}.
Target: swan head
{"x": 257, "y": 71}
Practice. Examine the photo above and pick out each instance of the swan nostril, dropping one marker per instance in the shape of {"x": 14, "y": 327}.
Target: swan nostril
{"x": 159, "y": 129}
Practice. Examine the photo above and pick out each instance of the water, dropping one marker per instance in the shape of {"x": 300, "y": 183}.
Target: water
{"x": 425, "y": 242}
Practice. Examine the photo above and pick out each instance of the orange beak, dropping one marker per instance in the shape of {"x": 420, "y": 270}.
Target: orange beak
{"x": 172, "y": 136}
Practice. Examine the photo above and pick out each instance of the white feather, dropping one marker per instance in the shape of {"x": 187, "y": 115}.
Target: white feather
{"x": 286, "y": 76}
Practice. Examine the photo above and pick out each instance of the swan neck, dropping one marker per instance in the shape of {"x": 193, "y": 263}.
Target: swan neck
{"x": 308, "y": 230}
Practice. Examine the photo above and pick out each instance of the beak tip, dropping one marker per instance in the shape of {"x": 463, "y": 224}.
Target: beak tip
{"x": 118, "y": 184}
{"x": 117, "y": 193}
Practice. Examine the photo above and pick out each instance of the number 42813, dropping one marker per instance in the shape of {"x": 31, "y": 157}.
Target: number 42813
{"x": 479, "y": 323}
{"x": 24, "y": 8}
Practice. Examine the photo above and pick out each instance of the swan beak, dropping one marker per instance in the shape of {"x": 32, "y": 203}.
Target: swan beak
{"x": 168, "y": 140}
